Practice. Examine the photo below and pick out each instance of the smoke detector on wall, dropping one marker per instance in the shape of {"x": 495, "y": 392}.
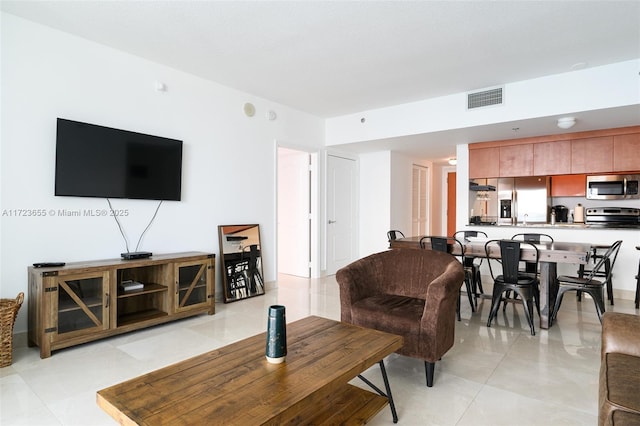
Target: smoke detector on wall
{"x": 249, "y": 109}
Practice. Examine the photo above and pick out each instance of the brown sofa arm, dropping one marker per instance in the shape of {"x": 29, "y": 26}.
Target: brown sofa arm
{"x": 442, "y": 295}
{"x": 357, "y": 281}
{"x": 620, "y": 333}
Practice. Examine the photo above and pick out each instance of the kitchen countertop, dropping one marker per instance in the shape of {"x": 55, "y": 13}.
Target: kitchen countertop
{"x": 562, "y": 225}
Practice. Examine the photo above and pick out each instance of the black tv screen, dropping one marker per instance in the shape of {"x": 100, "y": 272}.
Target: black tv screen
{"x": 97, "y": 161}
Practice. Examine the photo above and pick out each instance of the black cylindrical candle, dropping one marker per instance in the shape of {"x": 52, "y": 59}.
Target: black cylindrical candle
{"x": 276, "y": 335}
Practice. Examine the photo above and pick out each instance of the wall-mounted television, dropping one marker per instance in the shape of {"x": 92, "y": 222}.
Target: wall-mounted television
{"x": 98, "y": 161}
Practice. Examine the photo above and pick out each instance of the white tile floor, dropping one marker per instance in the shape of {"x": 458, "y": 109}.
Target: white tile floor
{"x": 492, "y": 376}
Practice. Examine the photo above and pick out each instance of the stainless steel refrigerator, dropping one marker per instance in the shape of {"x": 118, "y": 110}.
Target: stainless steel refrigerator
{"x": 523, "y": 200}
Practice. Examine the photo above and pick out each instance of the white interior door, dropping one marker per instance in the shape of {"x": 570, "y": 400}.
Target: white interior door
{"x": 341, "y": 212}
{"x": 294, "y": 212}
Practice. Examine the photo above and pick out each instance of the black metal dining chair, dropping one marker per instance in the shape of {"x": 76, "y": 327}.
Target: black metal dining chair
{"x": 393, "y": 235}
{"x": 443, "y": 244}
{"x": 535, "y": 239}
{"x": 588, "y": 284}
{"x": 473, "y": 263}
{"x": 524, "y": 285}
{"x": 597, "y": 252}
{"x": 529, "y": 267}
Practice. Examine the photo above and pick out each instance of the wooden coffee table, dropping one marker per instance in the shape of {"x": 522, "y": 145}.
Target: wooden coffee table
{"x": 235, "y": 385}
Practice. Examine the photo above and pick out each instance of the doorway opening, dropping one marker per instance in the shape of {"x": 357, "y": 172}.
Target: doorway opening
{"x": 295, "y": 211}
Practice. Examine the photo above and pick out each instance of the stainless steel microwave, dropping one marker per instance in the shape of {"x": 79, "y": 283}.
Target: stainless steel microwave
{"x": 613, "y": 187}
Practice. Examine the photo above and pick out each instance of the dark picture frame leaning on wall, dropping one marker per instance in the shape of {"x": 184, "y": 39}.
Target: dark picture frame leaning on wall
{"x": 241, "y": 257}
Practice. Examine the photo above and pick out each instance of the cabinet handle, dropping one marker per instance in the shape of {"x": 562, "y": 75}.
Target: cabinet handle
{"x": 107, "y": 305}
{"x": 177, "y": 287}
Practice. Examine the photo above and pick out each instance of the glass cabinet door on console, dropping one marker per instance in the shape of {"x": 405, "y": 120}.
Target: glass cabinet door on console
{"x": 193, "y": 284}
{"x": 79, "y": 304}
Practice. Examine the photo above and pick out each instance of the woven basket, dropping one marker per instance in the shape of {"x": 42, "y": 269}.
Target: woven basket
{"x": 8, "y": 312}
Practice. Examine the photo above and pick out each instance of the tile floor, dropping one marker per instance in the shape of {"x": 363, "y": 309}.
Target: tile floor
{"x": 492, "y": 376}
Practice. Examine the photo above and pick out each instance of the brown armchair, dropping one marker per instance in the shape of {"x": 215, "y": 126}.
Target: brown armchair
{"x": 412, "y": 293}
{"x": 619, "y": 393}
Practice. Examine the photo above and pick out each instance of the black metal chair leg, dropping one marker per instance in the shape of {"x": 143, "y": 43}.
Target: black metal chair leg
{"x": 598, "y": 298}
{"x": 495, "y": 304}
{"x": 556, "y": 306}
{"x": 429, "y": 369}
{"x": 470, "y": 292}
{"x": 479, "y": 281}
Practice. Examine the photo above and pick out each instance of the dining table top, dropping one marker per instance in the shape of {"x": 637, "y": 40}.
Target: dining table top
{"x": 556, "y": 251}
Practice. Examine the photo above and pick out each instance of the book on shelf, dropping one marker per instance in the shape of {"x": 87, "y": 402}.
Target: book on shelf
{"x": 129, "y": 285}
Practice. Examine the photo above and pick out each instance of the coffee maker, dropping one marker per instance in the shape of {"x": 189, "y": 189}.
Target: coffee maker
{"x": 562, "y": 213}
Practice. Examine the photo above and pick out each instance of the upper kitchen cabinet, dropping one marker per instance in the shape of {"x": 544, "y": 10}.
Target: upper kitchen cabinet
{"x": 592, "y": 155}
{"x": 484, "y": 162}
{"x": 626, "y": 152}
{"x": 516, "y": 160}
{"x": 589, "y": 152}
{"x": 569, "y": 185}
{"x": 552, "y": 158}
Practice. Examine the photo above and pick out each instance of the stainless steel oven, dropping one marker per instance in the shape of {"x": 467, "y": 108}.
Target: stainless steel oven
{"x": 613, "y": 216}
{"x": 613, "y": 187}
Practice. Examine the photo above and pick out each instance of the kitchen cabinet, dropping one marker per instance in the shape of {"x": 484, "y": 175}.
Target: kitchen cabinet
{"x": 516, "y": 160}
{"x": 552, "y": 158}
{"x": 592, "y": 155}
{"x": 484, "y": 162}
{"x": 569, "y": 185}
{"x": 590, "y": 152}
{"x": 626, "y": 152}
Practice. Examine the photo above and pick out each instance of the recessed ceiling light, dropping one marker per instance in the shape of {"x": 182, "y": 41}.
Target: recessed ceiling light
{"x": 566, "y": 122}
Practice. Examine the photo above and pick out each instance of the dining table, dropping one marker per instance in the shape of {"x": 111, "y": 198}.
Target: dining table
{"x": 550, "y": 254}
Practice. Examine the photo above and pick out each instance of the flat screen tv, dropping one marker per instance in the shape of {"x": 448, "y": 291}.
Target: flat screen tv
{"x": 97, "y": 161}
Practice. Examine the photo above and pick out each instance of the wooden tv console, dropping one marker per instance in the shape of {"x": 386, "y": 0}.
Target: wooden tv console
{"x": 85, "y": 301}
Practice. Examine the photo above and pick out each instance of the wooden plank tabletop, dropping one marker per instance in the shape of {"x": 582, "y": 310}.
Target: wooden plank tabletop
{"x": 558, "y": 252}
{"x": 236, "y": 385}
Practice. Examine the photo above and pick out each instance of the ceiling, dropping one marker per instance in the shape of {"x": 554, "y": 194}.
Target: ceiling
{"x": 331, "y": 58}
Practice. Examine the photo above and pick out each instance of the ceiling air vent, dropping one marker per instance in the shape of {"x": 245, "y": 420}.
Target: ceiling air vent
{"x": 484, "y": 98}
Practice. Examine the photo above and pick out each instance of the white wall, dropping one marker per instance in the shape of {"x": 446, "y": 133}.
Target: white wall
{"x": 375, "y": 199}
{"x": 228, "y": 159}
{"x": 385, "y": 197}
{"x": 401, "y": 192}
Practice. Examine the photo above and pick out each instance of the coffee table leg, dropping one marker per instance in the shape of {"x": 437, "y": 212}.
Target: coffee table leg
{"x": 394, "y": 414}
